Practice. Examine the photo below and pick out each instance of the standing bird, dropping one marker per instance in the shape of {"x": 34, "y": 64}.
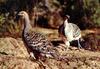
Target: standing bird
{"x": 69, "y": 32}
{"x": 36, "y": 43}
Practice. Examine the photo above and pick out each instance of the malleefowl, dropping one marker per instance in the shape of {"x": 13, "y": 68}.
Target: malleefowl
{"x": 69, "y": 32}
{"x": 37, "y": 44}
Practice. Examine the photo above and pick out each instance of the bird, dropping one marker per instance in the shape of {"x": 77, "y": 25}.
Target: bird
{"x": 36, "y": 43}
{"x": 69, "y": 32}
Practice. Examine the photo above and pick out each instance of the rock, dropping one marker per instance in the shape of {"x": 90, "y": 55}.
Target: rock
{"x": 10, "y": 62}
{"x": 91, "y": 42}
{"x": 14, "y": 55}
{"x": 11, "y": 46}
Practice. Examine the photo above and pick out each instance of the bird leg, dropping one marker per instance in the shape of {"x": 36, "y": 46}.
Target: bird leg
{"x": 32, "y": 55}
{"x": 30, "y": 52}
{"x": 67, "y": 44}
{"x": 79, "y": 45}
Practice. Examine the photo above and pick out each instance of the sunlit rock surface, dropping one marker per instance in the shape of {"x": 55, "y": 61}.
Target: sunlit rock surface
{"x": 13, "y": 55}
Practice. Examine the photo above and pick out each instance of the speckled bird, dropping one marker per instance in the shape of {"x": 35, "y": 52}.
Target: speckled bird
{"x": 36, "y": 43}
{"x": 69, "y": 32}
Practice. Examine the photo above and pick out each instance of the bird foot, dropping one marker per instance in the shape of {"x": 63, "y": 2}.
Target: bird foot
{"x": 32, "y": 57}
{"x": 79, "y": 47}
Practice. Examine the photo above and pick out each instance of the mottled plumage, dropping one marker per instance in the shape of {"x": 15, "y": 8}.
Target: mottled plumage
{"x": 76, "y": 32}
{"x": 69, "y": 32}
{"x": 36, "y": 42}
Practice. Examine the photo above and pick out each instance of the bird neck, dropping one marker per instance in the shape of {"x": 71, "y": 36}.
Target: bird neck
{"x": 27, "y": 25}
{"x": 66, "y": 23}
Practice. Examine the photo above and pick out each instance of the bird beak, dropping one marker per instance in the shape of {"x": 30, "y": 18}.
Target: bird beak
{"x": 17, "y": 17}
{"x": 19, "y": 14}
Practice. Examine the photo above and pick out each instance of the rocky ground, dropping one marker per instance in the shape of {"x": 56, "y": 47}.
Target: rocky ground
{"x": 13, "y": 54}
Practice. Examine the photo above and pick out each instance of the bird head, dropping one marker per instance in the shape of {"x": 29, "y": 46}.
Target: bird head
{"x": 23, "y": 14}
{"x": 67, "y": 17}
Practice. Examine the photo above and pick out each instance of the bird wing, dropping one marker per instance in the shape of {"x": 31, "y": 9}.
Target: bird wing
{"x": 39, "y": 42}
{"x": 76, "y": 30}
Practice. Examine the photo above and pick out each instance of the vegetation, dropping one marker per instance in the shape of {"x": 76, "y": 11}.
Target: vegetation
{"x": 8, "y": 27}
{"x": 45, "y": 13}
